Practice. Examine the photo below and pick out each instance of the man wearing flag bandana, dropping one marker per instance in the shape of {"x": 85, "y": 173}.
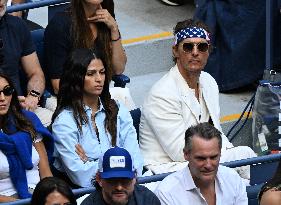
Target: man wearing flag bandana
{"x": 184, "y": 97}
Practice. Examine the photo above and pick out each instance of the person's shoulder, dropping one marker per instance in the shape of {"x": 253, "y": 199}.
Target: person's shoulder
{"x": 164, "y": 87}
{"x": 145, "y": 193}
{"x": 206, "y": 76}
{"x": 228, "y": 174}
{"x": 91, "y": 199}
{"x": 143, "y": 190}
{"x": 15, "y": 22}
{"x": 65, "y": 116}
{"x": 60, "y": 20}
{"x": 168, "y": 184}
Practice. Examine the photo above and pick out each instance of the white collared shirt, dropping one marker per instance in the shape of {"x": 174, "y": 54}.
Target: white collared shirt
{"x": 179, "y": 189}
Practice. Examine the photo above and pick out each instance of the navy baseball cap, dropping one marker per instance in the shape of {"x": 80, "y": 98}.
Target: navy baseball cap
{"x": 116, "y": 163}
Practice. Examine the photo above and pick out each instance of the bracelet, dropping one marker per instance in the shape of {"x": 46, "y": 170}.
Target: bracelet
{"x": 35, "y": 94}
{"x": 117, "y": 38}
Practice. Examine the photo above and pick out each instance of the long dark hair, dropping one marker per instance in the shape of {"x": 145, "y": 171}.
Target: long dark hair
{"x": 48, "y": 185}
{"x": 71, "y": 89}
{"x": 81, "y": 32}
{"x": 274, "y": 183}
{"x": 15, "y": 114}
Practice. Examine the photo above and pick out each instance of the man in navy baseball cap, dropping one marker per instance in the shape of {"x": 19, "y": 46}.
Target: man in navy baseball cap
{"x": 116, "y": 163}
{"x": 116, "y": 182}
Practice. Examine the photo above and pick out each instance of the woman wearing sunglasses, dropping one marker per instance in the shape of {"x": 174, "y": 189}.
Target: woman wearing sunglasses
{"x": 185, "y": 96}
{"x": 85, "y": 24}
{"x": 53, "y": 191}
{"x": 87, "y": 121}
{"x": 24, "y": 159}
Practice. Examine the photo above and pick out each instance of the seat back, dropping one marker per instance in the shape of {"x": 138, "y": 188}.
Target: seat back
{"x": 136, "y": 114}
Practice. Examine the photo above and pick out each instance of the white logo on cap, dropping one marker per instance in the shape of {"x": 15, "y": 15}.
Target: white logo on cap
{"x": 116, "y": 161}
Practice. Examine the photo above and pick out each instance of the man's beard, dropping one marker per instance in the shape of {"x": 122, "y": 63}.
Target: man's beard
{"x": 117, "y": 202}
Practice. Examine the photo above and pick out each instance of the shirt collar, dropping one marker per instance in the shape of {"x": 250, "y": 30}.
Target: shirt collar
{"x": 188, "y": 180}
{"x": 189, "y": 183}
{"x": 101, "y": 107}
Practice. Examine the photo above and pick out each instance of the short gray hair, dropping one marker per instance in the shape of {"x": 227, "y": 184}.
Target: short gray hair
{"x": 203, "y": 130}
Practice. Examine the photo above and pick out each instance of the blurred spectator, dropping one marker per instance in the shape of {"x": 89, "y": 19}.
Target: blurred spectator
{"x": 53, "y": 191}
{"x": 19, "y": 56}
{"x": 270, "y": 193}
{"x": 84, "y": 25}
{"x": 23, "y": 138}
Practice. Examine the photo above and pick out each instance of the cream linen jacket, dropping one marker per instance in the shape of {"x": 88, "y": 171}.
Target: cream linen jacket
{"x": 166, "y": 114}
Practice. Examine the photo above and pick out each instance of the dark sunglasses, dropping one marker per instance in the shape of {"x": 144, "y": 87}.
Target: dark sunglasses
{"x": 7, "y": 91}
{"x": 188, "y": 47}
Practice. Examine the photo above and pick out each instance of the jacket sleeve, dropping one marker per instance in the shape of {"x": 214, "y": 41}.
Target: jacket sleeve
{"x": 66, "y": 135}
{"x": 164, "y": 115}
{"x": 241, "y": 196}
{"x": 128, "y": 137}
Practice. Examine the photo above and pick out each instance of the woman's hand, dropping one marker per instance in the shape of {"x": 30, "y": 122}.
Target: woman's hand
{"x": 102, "y": 15}
{"x": 80, "y": 151}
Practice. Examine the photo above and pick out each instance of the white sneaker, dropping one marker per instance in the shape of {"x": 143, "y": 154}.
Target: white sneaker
{"x": 172, "y": 2}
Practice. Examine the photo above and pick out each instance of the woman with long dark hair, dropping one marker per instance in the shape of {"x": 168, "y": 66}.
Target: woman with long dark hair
{"x": 86, "y": 24}
{"x": 23, "y": 138}
{"x": 87, "y": 121}
{"x": 52, "y": 190}
{"x": 270, "y": 193}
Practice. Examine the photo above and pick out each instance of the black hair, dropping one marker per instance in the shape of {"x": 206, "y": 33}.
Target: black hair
{"x": 274, "y": 183}
{"x": 15, "y": 113}
{"x": 70, "y": 95}
{"x": 48, "y": 185}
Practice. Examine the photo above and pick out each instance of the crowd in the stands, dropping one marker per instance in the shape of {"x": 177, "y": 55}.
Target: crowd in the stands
{"x": 82, "y": 137}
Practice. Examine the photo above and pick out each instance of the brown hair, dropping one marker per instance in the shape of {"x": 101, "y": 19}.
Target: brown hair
{"x": 72, "y": 86}
{"x": 15, "y": 113}
{"x": 81, "y": 32}
{"x": 190, "y": 23}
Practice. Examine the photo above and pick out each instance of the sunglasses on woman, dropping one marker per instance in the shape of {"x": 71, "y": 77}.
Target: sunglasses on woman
{"x": 7, "y": 91}
{"x": 188, "y": 47}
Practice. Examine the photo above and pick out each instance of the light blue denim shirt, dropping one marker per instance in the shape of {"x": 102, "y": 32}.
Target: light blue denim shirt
{"x": 67, "y": 135}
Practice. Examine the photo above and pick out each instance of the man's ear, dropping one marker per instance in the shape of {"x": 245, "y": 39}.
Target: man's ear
{"x": 186, "y": 155}
{"x": 98, "y": 179}
{"x": 175, "y": 51}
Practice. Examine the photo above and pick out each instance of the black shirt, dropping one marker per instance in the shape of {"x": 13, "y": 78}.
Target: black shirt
{"x": 141, "y": 196}
{"x": 17, "y": 42}
{"x": 58, "y": 44}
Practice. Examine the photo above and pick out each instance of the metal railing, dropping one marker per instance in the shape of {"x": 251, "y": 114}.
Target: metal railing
{"x": 143, "y": 180}
{"x": 34, "y": 5}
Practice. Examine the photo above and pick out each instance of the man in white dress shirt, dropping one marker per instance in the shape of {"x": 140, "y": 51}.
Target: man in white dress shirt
{"x": 203, "y": 181}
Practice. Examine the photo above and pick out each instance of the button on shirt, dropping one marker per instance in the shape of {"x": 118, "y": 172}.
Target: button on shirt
{"x": 179, "y": 189}
{"x": 67, "y": 135}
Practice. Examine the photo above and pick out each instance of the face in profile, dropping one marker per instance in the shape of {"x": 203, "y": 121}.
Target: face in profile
{"x": 94, "y": 79}
{"x": 203, "y": 159}
{"x": 6, "y": 92}
{"x": 56, "y": 198}
{"x": 116, "y": 191}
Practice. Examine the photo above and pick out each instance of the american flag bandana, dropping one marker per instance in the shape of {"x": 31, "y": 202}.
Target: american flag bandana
{"x": 193, "y": 32}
